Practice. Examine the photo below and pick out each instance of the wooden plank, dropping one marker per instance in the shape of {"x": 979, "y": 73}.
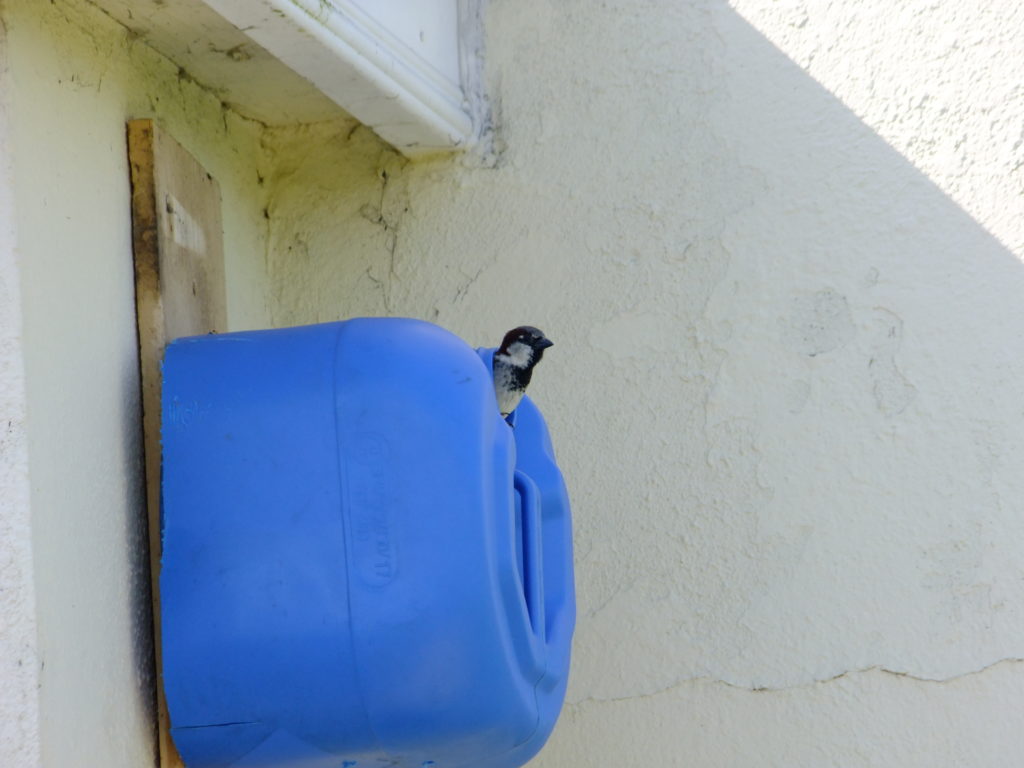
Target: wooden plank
{"x": 179, "y": 291}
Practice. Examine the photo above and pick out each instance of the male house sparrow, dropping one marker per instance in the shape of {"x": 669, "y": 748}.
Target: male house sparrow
{"x": 520, "y": 350}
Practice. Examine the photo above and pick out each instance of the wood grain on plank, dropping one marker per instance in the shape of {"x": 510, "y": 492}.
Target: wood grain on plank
{"x": 179, "y": 291}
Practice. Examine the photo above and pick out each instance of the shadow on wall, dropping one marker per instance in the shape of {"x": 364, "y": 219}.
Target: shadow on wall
{"x": 804, "y": 356}
{"x": 842, "y": 498}
{"x": 785, "y": 389}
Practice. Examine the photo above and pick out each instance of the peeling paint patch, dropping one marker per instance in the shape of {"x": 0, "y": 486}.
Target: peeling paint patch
{"x": 891, "y": 389}
{"x": 819, "y": 323}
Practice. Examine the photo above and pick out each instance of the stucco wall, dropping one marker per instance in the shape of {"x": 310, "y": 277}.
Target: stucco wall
{"x": 778, "y": 246}
{"x": 19, "y": 660}
{"x": 73, "y": 78}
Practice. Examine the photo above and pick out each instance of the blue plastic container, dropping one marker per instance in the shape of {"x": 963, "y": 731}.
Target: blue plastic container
{"x": 363, "y": 564}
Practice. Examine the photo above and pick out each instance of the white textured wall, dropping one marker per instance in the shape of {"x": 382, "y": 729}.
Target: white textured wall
{"x": 72, "y": 79}
{"x": 19, "y": 660}
{"x": 778, "y": 246}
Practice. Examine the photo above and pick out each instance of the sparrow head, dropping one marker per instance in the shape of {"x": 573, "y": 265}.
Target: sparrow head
{"x": 524, "y": 346}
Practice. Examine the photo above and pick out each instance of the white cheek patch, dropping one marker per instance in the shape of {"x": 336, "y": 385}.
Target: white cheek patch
{"x": 519, "y": 354}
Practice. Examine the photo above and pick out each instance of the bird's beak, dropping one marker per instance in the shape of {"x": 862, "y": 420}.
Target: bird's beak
{"x": 545, "y": 343}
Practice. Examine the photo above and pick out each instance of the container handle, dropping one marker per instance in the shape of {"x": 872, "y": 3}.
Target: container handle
{"x": 533, "y": 550}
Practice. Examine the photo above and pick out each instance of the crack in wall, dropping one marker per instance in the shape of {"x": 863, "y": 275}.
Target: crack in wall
{"x": 461, "y": 292}
{"x": 390, "y": 207}
{"x": 677, "y": 684}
